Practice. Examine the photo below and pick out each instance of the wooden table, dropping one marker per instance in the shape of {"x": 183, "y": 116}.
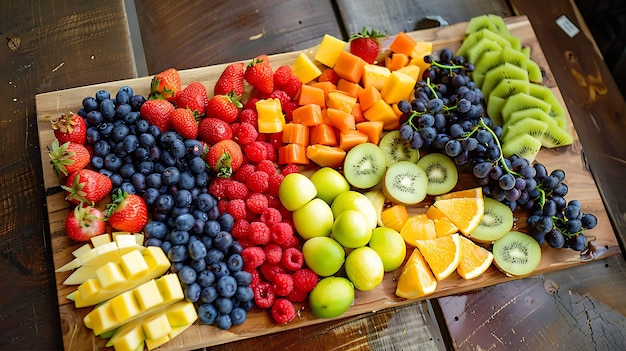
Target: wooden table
{"x": 52, "y": 46}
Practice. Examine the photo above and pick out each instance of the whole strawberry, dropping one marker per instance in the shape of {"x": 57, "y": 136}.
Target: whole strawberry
{"x": 165, "y": 85}
{"x": 224, "y": 107}
{"x": 184, "y": 122}
{"x": 127, "y": 212}
{"x": 86, "y": 186}
{"x": 224, "y": 158}
{"x": 158, "y": 112}
{"x": 213, "y": 130}
{"x": 70, "y": 127}
{"x": 68, "y": 157}
{"x": 259, "y": 74}
{"x": 85, "y": 222}
{"x": 366, "y": 45}
{"x": 194, "y": 97}
{"x": 231, "y": 80}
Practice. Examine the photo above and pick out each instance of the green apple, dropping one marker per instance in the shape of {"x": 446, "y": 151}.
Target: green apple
{"x": 353, "y": 200}
{"x": 364, "y": 268}
{"x": 323, "y": 255}
{"x": 313, "y": 219}
{"x": 390, "y": 246}
{"x": 329, "y": 183}
{"x": 295, "y": 191}
{"x": 351, "y": 229}
{"x": 331, "y": 297}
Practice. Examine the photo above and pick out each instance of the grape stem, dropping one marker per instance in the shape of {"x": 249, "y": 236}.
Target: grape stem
{"x": 448, "y": 67}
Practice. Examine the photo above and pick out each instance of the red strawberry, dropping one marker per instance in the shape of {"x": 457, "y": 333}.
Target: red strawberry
{"x": 224, "y": 107}
{"x": 225, "y": 157}
{"x": 86, "y": 186}
{"x": 157, "y": 112}
{"x": 85, "y": 222}
{"x": 213, "y": 130}
{"x": 259, "y": 74}
{"x": 193, "y": 97}
{"x": 165, "y": 85}
{"x": 68, "y": 157}
{"x": 71, "y": 127}
{"x": 230, "y": 80}
{"x": 127, "y": 212}
{"x": 366, "y": 45}
{"x": 184, "y": 122}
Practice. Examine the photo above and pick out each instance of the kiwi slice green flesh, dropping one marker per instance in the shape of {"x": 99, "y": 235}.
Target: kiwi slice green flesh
{"x": 397, "y": 149}
{"x": 475, "y": 38}
{"x": 533, "y": 127}
{"x": 499, "y": 94}
{"x": 522, "y": 145}
{"x": 514, "y": 57}
{"x": 441, "y": 173}
{"x": 364, "y": 165}
{"x": 553, "y": 136}
{"x": 405, "y": 183}
{"x": 535, "y": 75}
{"x": 544, "y": 93}
{"x": 504, "y": 71}
{"x": 483, "y": 45}
{"x": 496, "y": 222}
{"x": 488, "y": 61}
{"x": 516, "y": 254}
{"x": 498, "y": 22}
{"x": 522, "y": 101}
{"x": 478, "y": 23}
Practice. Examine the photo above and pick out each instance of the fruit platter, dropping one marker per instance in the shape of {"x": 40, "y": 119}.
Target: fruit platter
{"x": 214, "y": 204}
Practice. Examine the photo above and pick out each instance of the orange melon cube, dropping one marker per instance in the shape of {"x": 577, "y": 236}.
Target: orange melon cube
{"x": 352, "y": 89}
{"x": 295, "y": 133}
{"x": 340, "y": 119}
{"x": 351, "y": 138}
{"x": 325, "y": 156}
{"x": 358, "y": 113}
{"x": 270, "y": 116}
{"x": 326, "y": 86}
{"x": 308, "y": 115}
{"x": 396, "y": 61}
{"x": 368, "y": 97}
{"x": 402, "y": 44}
{"x": 382, "y": 111}
{"x": 293, "y": 153}
{"x": 305, "y": 69}
{"x": 323, "y": 134}
{"x": 311, "y": 95}
{"x": 374, "y": 75}
{"x": 399, "y": 86}
{"x": 328, "y": 75}
{"x": 349, "y": 66}
{"x": 329, "y": 50}
{"x": 373, "y": 130}
{"x": 341, "y": 101}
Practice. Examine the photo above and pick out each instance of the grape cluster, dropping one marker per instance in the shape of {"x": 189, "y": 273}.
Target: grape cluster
{"x": 170, "y": 173}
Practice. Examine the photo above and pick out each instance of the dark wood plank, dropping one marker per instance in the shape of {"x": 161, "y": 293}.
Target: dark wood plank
{"x": 188, "y": 34}
{"x": 46, "y": 46}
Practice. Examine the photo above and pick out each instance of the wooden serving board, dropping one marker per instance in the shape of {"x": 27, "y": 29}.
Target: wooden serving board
{"x": 579, "y": 179}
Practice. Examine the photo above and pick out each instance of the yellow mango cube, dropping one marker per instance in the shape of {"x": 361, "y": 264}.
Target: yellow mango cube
{"x": 125, "y": 306}
{"x": 130, "y": 340}
{"x": 110, "y": 275}
{"x": 156, "y": 259}
{"x": 134, "y": 265}
{"x": 102, "y": 321}
{"x": 87, "y": 289}
{"x": 148, "y": 295}
{"x": 169, "y": 287}
{"x": 399, "y": 86}
{"x": 329, "y": 49}
{"x": 152, "y": 344}
{"x": 341, "y": 101}
{"x": 181, "y": 313}
{"x": 305, "y": 69}
{"x": 382, "y": 111}
{"x": 100, "y": 240}
{"x": 156, "y": 327}
{"x": 271, "y": 118}
{"x": 412, "y": 71}
{"x": 420, "y": 50}
{"x": 374, "y": 75}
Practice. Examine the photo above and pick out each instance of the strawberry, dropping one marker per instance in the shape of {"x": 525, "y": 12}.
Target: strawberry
{"x": 225, "y": 157}
{"x": 68, "y": 157}
{"x": 70, "y": 127}
{"x": 158, "y": 113}
{"x": 213, "y": 130}
{"x": 259, "y": 74}
{"x": 366, "y": 45}
{"x": 231, "y": 80}
{"x": 165, "y": 85}
{"x": 86, "y": 186}
{"x": 224, "y": 107}
{"x": 193, "y": 97}
{"x": 84, "y": 222}
{"x": 184, "y": 122}
{"x": 127, "y": 212}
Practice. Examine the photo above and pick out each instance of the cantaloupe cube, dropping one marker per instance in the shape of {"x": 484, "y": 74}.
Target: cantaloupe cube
{"x": 308, "y": 115}
{"x": 349, "y": 67}
{"x": 270, "y": 116}
{"x": 357, "y": 112}
{"x": 374, "y": 75}
{"x": 351, "y": 138}
{"x": 402, "y": 43}
{"x": 156, "y": 327}
{"x": 111, "y": 275}
{"x": 329, "y": 49}
{"x": 341, "y": 101}
{"x": 382, "y": 111}
{"x": 326, "y": 86}
{"x": 296, "y": 133}
{"x": 396, "y": 61}
{"x": 305, "y": 69}
{"x": 352, "y": 89}
{"x": 293, "y": 153}
{"x": 340, "y": 119}
{"x": 323, "y": 134}
{"x": 311, "y": 95}
{"x": 399, "y": 86}
{"x": 325, "y": 156}
{"x": 368, "y": 97}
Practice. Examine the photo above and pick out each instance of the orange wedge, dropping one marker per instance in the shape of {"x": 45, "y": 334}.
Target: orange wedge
{"x": 442, "y": 254}
{"x": 416, "y": 279}
{"x": 394, "y": 217}
{"x": 443, "y": 224}
{"x": 466, "y": 212}
{"x": 475, "y": 259}
{"x": 418, "y": 227}
{"x": 473, "y": 192}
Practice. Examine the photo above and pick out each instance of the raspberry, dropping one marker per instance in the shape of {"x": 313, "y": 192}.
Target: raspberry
{"x": 273, "y": 184}
{"x": 266, "y": 166}
{"x": 236, "y": 190}
{"x": 297, "y": 296}
{"x": 292, "y": 259}
{"x": 284, "y": 212}
{"x": 237, "y": 208}
{"x": 282, "y": 284}
{"x": 292, "y": 241}
{"x": 272, "y": 155}
{"x": 218, "y": 186}
{"x": 259, "y": 233}
{"x": 264, "y": 297}
{"x": 292, "y": 88}
{"x": 256, "y": 203}
{"x": 290, "y": 168}
{"x": 271, "y": 216}
{"x": 251, "y": 104}
{"x": 256, "y": 276}
{"x": 244, "y": 172}
{"x": 268, "y": 270}
{"x": 240, "y": 229}
{"x": 246, "y": 133}
{"x": 288, "y": 109}
{"x": 222, "y": 205}
{"x": 248, "y": 115}
{"x": 253, "y": 256}
{"x": 282, "y": 75}
{"x": 304, "y": 279}
{"x": 257, "y": 181}
{"x": 281, "y": 232}
{"x": 282, "y": 96}
{"x": 329, "y": 75}
{"x": 283, "y": 311}
{"x": 255, "y": 151}
{"x": 276, "y": 139}
{"x": 273, "y": 253}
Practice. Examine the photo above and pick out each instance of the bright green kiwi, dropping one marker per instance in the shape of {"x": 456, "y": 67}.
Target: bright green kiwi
{"x": 514, "y": 57}
{"x": 516, "y": 254}
{"x": 501, "y": 92}
{"x": 522, "y": 145}
{"x": 483, "y": 45}
{"x": 441, "y": 173}
{"x": 521, "y": 101}
{"x": 553, "y": 136}
{"x": 397, "y": 149}
{"x": 496, "y": 222}
{"x": 498, "y": 22}
{"x": 504, "y": 71}
{"x": 405, "y": 183}
{"x": 544, "y": 93}
{"x": 474, "y": 38}
{"x": 488, "y": 61}
{"x": 535, "y": 75}
{"x": 478, "y": 23}
{"x": 364, "y": 165}
{"x": 530, "y": 126}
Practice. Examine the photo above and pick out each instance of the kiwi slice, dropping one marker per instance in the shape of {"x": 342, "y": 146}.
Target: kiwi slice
{"x": 488, "y": 61}
{"x": 553, "y": 136}
{"x": 526, "y": 51}
{"x": 515, "y": 42}
{"x": 479, "y": 23}
{"x": 441, "y": 173}
{"x": 496, "y": 222}
{"x": 501, "y": 92}
{"x": 474, "y": 38}
{"x": 521, "y": 101}
{"x": 405, "y": 183}
{"x": 498, "y": 22}
{"x": 530, "y": 126}
{"x": 397, "y": 149}
{"x": 522, "y": 145}
{"x": 514, "y": 57}
{"x": 504, "y": 71}
{"x": 535, "y": 75}
{"x": 483, "y": 45}
{"x": 516, "y": 254}
{"x": 544, "y": 93}
{"x": 556, "y": 137}
{"x": 364, "y": 165}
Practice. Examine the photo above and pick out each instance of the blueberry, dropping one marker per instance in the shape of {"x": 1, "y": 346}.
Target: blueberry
{"x": 112, "y": 162}
{"x": 155, "y": 229}
{"x": 206, "y": 278}
{"x": 153, "y": 180}
{"x": 117, "y": 180}
{"x": 198, "y": 265}
{"x": 200, "y": 215}
{"x": 238, "y": 315}
{"x": 170, "y": 176}
{"x": 127, "y": 170}
{"x": 107, "y": 108}
{"x": 153, "y": 242}
{"x": 235, "y": 248}
{"x": 178, "y": 148}
{"x": 205, "y": 202}
{"x": 187, "y": 275}
{"x": 208, "y": 242}
{"x": 102, "y": 94}
{"x": 97, "y": 162}
{"x": 223, "y": 304}
{"x": 167, "y": 158}
{"x": 101, "y": 148}
{"x": 167, "y": 138}
{"x": 179, "y": 237}
{"x": 184, "y": 221}
{"x": 146, "y": 140}
{"x": 177, "y": 253}
{"x": 130, "y": 143}
{"x": 165, "y": 203}
{"x": 226, "y": 221}
{"x": 243, "y": 278}
{"x": 186, "y": 181}
{"x": 213, "y": 257}
{"x": 128, "y": 187}
{"x": 131, "y": 117}
{"x": 198, "y": 226}
{"x": 197, "y": 165}
{"x": 234, "y": 262}
{"x": 194, "y": 148}
{"x": 223, "y": 240}
{"x": 166, "y": 246}
{"x": 93, "y": 135}
{"x": 145, "y": 166}
{"x": 226, "y": 286}
{"x": 223, "y": 321}
{"x": 220, "y": 269}
{"x": 90, "y": 104}
{"x": 214, "y": 212}
{"x": 176, "y": 266}
{"x": 122, "y": 111}
{"x": 244, "y": 293}
{"x": 207, "y": 313}
{"x": 197, "y": 250}
{"x": 94, "y": 117}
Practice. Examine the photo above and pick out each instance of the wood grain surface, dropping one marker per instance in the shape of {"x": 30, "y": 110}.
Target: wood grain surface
{"x": 580, "y": 181}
